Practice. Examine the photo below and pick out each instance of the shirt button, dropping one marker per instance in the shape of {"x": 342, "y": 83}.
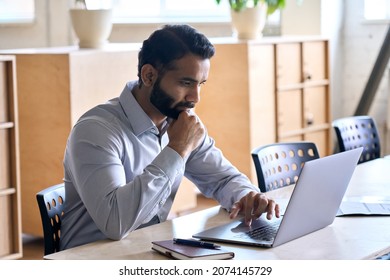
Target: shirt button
{"x": 161, "y": 202}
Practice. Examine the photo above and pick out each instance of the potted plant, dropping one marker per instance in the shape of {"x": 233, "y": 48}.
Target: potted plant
{"x": 249, "y": 16}
{"x": 91, "y": 24}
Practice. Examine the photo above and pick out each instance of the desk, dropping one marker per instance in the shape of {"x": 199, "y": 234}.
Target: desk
{"x": 347, "y": 238}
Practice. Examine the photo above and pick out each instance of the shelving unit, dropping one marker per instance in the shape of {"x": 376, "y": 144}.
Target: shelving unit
{"x": 10, "y": 208}
{"x": 259, "y": 92}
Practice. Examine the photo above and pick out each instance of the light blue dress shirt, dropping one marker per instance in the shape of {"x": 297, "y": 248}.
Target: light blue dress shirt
{"x": 120, "y": 174}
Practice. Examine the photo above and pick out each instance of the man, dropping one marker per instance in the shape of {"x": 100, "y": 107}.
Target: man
{"x": 125, "y": 159}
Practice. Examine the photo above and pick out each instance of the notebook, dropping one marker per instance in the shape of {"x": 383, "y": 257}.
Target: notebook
{"x": 313, "y": 205}
{"x": 184, "y": 252}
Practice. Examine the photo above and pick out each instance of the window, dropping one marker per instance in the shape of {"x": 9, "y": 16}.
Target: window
{"x": 177, "y": 11}
{"x": 152, "y": 11}
{"x": 16, "y": 11}
{"x": 377, "y": 9}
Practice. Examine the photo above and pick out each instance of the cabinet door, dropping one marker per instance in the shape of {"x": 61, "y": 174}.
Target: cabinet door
{"x": 321, "y": 139}
{"x": 185, "y": 198}
{"x": 288, "y": 63}
{"x": 296, "y": 138}
{"x": 315, "y": 106}
{"x": 314, "y": 61}
{"x": 289, "y": 111}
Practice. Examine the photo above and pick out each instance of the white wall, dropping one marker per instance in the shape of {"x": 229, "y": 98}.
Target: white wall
{"x": 332, "y": 20}
{"x": 302, "y": 18}
{"x": 50, "y": 28}
{"x": 361, "y": 45}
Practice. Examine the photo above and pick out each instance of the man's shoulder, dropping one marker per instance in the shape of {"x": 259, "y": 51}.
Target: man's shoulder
{"x": 103, "y": 111}
{"x": 110, "y": 109}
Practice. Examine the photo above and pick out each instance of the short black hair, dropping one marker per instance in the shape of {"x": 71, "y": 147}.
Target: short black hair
{"x": 172, "y": 42}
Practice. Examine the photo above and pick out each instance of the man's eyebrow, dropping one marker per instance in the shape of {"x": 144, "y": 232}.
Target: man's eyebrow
{"x": 192, "y": 80}
{"x": 189, "y": 79}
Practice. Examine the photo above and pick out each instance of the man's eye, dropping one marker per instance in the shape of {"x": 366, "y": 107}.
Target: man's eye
{"x": 186, "y": 83}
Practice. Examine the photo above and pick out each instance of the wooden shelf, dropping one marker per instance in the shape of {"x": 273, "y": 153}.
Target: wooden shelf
{"x": 307, "y": 84}
{"x": 5, "y": 125}
{"x": 8, "y": 191}
{"x": 298, "y": 132}
{"x": 10, "y": 207}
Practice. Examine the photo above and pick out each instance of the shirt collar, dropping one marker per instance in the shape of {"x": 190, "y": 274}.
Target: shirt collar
{"x": 139, "y": 120}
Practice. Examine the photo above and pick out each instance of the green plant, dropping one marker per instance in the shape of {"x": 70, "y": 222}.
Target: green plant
{"x": 273, "y": 5}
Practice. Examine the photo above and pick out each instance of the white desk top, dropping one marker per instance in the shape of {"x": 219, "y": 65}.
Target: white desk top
{"x": 347, "y": 238}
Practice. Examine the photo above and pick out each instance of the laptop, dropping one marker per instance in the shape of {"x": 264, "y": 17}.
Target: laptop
{"x": 313, "y": 205}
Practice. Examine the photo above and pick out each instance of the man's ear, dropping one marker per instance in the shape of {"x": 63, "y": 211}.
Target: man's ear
{"x": 148, "y": 75}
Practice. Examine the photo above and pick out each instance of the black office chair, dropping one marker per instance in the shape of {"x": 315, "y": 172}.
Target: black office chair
{"x": 51, "y": 206}
{"x": 384, "y": 257}
{"x": 358, "y": 131}
{"x": 279, "y": 165}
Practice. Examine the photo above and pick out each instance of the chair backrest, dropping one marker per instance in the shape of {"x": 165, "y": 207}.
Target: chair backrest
{"x": 358, "y": 131}
{"x": 51, "y": 206}
{"x": 279, "y": 165}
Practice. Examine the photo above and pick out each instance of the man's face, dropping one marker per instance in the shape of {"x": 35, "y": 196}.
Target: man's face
{"x": 166, "y": 104}
{"x": 179, "y": 89}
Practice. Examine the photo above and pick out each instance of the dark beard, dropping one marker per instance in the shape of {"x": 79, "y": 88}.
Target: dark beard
{"x": 163, "y": 102}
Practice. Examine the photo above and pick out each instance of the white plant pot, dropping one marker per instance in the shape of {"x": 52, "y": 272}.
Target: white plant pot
{"x": 92, "y": 27}
{"x": 249, "y": 23}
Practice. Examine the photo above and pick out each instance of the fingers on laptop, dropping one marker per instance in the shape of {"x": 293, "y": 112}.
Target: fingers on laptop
{"x": 253, "y": 205}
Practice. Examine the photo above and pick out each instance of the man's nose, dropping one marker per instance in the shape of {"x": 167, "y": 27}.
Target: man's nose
{"x": 194, "y": 95}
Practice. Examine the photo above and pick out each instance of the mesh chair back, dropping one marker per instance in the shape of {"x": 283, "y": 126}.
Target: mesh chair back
{"x": 51, "y": 206}
{"x": 279, "y": 165}
{"x": 358, "y": 131}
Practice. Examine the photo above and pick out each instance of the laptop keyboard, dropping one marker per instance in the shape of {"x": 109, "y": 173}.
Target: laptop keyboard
{"x": 267, "y": 232}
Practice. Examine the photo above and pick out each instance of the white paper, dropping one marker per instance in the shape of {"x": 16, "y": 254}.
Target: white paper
{"x": 365, "y": 206}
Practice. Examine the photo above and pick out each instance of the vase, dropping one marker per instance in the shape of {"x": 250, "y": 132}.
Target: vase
{"x": 92, "y": 27}
{"x": 249, "y": 22}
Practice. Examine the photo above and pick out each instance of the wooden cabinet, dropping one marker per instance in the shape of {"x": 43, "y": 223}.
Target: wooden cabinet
{"x": 302, "y": 92}
{"x": 266, "y": 91}
{"x": 10, "y": 215}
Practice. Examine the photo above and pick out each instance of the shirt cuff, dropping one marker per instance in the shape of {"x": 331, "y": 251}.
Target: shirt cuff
{"x": 170, "y": 162}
